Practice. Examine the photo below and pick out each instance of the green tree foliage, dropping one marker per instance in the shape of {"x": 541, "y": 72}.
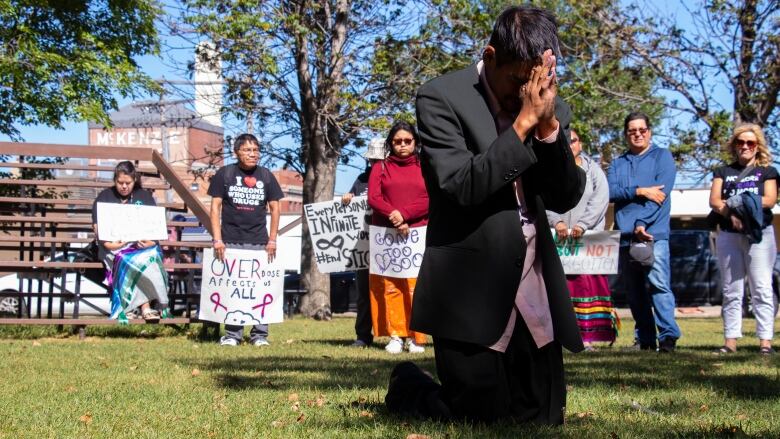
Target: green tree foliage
{"x": 300, "y": 70}
{"x": 728, "y": 47}
{"x": 597, "y": 78}
{"x": 65, "y": 60}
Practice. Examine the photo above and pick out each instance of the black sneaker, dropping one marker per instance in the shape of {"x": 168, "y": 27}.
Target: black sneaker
{"x": 667, "y": 345}
{"x": 360, "y": 344}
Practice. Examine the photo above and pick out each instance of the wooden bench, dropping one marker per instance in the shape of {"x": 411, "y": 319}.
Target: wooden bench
{"x": 74, "y": 202}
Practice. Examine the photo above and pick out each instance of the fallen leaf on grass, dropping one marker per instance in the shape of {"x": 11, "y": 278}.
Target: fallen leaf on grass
{"x": 292, "y": 397}
{"x": 289, "y": 341}
{"x": 742, "y": 417}
{"x": 366, "y": 414}
{"x": 717, "y": 364}
{"x": 583, "y": 415}
{"x": 374, "y": 372}
{"x": 70, "y": 389}
{"x": 417, "y": 436}
{"x": 296, "y": 406}
{"x": 86, "y": 418}
{"x": 277, "y": 424}
{"x": 301, "y": 418}
{"x": 704, "y": 408}
{"x": 195, "y": 372}
{"x": 133, "y": 368}
{"x": 702, "y": 372}
{"x": 36, "y": 343}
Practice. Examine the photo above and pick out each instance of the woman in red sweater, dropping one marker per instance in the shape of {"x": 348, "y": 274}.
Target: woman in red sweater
{"x": 397, "y": 195}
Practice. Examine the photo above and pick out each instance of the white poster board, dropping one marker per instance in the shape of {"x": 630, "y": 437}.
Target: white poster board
{"x": 594, "y": 253}
{"x": 394, "y": 255}
{"x": 131, "y": 222}
{"x": 243, "y": 290}
{"x": 339, "y": 234}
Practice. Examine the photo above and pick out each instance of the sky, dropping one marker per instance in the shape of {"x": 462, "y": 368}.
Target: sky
{"x": 76, "y": 132}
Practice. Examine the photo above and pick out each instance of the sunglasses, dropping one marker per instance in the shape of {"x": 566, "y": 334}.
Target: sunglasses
{"x": 399, "y": 142}
{"x": 749, "y": 143}
{"x": 636, "y": 131}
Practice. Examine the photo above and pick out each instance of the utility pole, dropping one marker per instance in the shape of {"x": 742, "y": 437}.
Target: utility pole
{"x": 166, "y": 152}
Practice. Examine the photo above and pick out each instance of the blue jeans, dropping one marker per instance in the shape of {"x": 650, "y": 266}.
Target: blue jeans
{"x": 654, "y": 307}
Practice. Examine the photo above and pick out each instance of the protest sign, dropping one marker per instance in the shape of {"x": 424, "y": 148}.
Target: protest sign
{"x": 594, "y": 253}
{"x": 131, "y": 222}
{"x": 339, "y": 234}
{"x": 394, "y": 255}
{"x": 243, "y": 289}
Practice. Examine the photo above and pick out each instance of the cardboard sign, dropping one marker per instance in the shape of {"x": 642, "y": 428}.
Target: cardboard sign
{"x": 131, "y": 222}
{"x": 394, "y": 255}
{"x": 339, "y": 234}
{"x": 243, "y": 289}
{"x": 594, "y": 253}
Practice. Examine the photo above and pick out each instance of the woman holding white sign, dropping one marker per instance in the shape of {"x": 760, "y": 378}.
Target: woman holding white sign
{"x": 590, "y": 293}
{"x": 397, "y": 195}
{"x": 134, "y": 270}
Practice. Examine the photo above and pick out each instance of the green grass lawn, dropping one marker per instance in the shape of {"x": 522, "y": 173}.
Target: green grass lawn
{"x": 161, "y": 382}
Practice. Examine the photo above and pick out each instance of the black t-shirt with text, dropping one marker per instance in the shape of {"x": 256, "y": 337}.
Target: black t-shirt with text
{"x": 245, "y": 195}
{"x": 753, "y": 181}
{"x": 110, "y": 195}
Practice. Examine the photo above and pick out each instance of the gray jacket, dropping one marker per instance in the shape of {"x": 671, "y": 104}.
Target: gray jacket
{"x": 590, "y": 211}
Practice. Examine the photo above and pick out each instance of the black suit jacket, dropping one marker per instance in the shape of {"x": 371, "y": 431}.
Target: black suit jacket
{"x": 475, "y": 245}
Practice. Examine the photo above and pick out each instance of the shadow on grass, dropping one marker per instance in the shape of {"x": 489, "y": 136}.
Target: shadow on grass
{"x": 681, "y": 370}
{"x": 323, "y": 372}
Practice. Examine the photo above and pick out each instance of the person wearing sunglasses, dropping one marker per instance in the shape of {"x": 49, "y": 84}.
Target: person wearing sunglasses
{"x": 745, "y": 252}
{"x": 640, "y": 182}
{"x": 398, "y": 198}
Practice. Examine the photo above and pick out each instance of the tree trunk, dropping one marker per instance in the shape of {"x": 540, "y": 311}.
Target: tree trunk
{"x": 318, "y": 185}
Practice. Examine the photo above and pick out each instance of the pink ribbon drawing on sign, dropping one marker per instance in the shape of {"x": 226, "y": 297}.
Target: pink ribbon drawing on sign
{"x": 267, "y": 300}
{"x": 216, "y": 300}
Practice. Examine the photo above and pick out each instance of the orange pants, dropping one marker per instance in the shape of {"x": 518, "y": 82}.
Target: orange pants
{"x": 391, "y": 306}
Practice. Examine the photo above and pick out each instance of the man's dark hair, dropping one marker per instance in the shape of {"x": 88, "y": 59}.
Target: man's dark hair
{"x": 406, "y": 126}
{"x": 128, "y": 168}
{"x": 245, "y": 138}
{"x": 523, "y": 33}
{"x": 634, "y": 116}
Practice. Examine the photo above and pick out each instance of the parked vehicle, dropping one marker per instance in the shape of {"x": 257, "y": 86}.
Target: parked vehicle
{"x": 96, "y": 302}
{"x": 695, "y": 272}
{"x": 695, "y": 276}
{"x": 343, "y": 291}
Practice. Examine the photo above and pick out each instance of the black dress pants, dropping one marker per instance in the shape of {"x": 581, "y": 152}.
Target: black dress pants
{"x": 363, "y": 320}
{"x": 479, "y": 384}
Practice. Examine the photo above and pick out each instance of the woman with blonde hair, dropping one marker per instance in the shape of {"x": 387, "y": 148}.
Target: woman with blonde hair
{"x": 742, "y": 195}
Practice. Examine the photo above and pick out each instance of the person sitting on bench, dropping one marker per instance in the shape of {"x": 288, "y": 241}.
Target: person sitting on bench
{"x": 134, "y": 270}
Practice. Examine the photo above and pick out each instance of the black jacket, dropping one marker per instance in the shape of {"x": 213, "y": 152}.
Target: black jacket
{"x": 475, "y": 245}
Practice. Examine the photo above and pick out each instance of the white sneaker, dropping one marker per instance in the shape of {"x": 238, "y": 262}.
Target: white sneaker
{"x": 227, "y": 341}
{"x": 261, "y": 342}
{"x": 396, "y": 346}
{"x": 413, "y": 347}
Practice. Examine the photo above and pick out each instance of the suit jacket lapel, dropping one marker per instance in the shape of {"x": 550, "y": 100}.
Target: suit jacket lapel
{"x": 481, "y": 111}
